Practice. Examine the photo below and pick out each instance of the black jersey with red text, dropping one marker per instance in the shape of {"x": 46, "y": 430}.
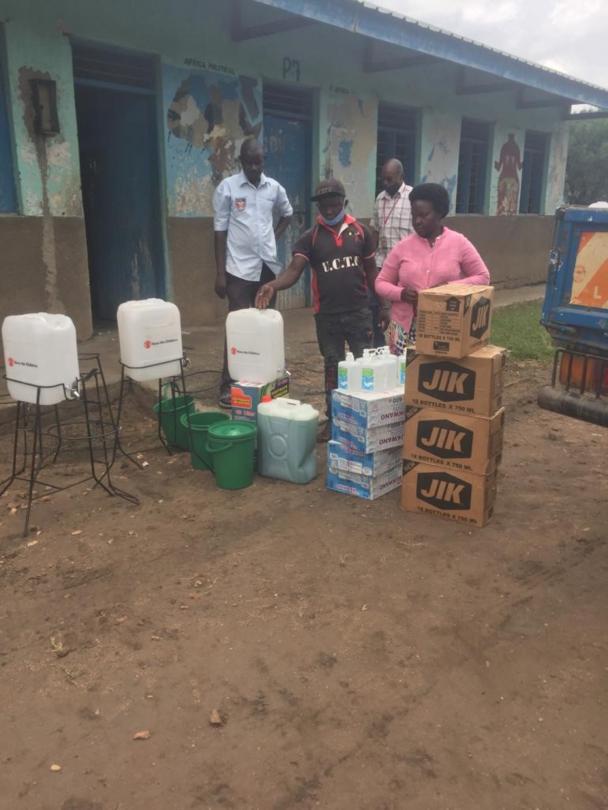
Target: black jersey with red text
{"x": 336, "y": 256}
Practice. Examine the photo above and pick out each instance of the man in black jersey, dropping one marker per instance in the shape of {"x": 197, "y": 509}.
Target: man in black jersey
{"x": 340, "y": 251}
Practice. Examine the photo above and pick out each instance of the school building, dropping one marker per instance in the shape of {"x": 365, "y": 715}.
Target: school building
{"x": 118, "y": 120}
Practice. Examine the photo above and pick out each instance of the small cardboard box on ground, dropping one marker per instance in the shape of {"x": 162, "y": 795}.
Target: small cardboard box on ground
{"x": 463, "y": 443}
{"x": 459, "y": 496}
{"x": 472, "y": 385}
{"x": 245, "y": 397}
{"x": 453, "y": 320}
{"x": 369, "y": 410}
{"x": 368, "y": 487}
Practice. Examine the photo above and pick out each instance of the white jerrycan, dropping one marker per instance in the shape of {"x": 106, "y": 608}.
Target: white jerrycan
{"x": 40, "y": 349}
{"x": 255, "y": 344}
{"x": 287, "y": 438}
{"x": 150, "y": 338}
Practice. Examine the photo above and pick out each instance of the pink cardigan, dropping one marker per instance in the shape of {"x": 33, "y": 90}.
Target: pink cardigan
{"x": 415, "y": 264}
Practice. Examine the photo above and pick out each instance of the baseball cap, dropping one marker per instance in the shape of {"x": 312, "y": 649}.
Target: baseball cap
{"x": 327, "y": 188}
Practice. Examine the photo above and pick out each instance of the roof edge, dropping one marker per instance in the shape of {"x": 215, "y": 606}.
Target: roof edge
{"x": 384, "y": 25}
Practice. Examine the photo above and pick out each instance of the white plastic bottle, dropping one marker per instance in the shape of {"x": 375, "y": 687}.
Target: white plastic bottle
{"x": 389, "y": 364}
{"x": 255, "y": 344}
{"x": 402, "y": 367}
{"x": 349, "y": 374}
{"x": 40, "y": 349}
{"x": 150, "y": 338}
{"x": 370, "y": 378}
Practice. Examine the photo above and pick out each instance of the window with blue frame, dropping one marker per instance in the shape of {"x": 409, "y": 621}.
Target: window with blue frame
{"x": 397, "y": 138}
{"x": 8, "y": 201}
{"x": 533, "y": 172}
{"x": 473, "y": 167}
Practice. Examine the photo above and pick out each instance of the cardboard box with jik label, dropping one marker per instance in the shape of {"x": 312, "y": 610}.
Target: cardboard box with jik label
{"x": 454, "y": 320}
{"x": 245, "y": 397}
{"x": 464, "y": 443}
{"x": 472, "y": 385}
{"x": 459, "y": 496}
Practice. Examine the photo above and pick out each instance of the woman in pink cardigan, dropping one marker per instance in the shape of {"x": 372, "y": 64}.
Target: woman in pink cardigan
{"x": 431, "y": 256}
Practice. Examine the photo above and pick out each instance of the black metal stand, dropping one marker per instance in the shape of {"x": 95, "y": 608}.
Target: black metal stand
{"x": 94, "y": 429}
{"x": 176, "y": 390}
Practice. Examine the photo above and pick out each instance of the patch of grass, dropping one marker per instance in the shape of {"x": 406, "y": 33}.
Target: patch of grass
{"x": 517, "y": 328}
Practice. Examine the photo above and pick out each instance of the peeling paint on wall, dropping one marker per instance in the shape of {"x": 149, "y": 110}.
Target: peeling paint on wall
{"x": 41, "y": 150}
{"x": 349, "y": 152}
{"x": 50, "y": 169}
{"x": 208, "y": 116}
{"x": 556, "y": 174}
{"x": 440, "y": 147}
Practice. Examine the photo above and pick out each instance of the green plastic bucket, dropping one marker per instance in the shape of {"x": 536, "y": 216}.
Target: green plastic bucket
{"x": 199, "y": 426}
{"x": 171, "y": 411}
{"x": 232, "y": 445}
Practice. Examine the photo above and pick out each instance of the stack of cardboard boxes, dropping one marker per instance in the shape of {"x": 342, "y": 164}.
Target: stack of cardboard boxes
{"x": 364, "y": 455}
{"x": 453, "y": 395}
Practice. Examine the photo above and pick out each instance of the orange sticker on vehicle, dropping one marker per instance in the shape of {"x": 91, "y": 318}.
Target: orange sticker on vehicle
{"x": 590, "y": 280}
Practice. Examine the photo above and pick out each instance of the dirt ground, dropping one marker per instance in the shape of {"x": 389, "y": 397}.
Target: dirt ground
{"x": 359, "y": 657}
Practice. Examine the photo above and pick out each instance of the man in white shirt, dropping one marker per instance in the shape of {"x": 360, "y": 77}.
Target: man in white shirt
{"x": 391, "y": 222}
{"x": 245, "y": 206}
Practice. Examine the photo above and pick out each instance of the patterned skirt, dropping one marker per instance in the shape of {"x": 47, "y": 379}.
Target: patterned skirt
{"x": 398, "y": 339}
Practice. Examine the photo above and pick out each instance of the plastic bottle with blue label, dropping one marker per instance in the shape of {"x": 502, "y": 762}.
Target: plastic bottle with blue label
{"x": 349, "y": 374}
{"x": 378, "y": 373}
{"x": 402, "y": 367}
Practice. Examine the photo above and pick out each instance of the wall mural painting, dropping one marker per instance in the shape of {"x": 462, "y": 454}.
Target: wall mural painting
{"x": 509, "y": 164}
{"x": 209, "y": 115}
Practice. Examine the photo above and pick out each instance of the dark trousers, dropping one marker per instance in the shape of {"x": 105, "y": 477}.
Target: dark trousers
{"x": 379, "y": 339}
{"x": 241, "y": 295}
{"x": 333, "y": 331}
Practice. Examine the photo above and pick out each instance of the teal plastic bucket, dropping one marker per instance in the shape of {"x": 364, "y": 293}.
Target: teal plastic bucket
{"x": 232, "y": 445}
{"x": 171, "y": 411}
{"x": 199, "y": 424}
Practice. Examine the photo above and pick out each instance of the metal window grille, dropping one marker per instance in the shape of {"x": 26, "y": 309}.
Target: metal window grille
{"x": 288, "y": 101}
{"x": 472, "y": 167}
{"x": 109, "y": 66}
{"x": 397, "y": 138}
{"x": 533, "y": 173}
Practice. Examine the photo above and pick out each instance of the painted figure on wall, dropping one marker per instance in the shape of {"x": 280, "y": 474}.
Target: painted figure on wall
{"x": 509, "y": 165}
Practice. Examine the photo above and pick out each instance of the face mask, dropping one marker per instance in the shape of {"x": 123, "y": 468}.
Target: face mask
{"x": 336, "y": 220}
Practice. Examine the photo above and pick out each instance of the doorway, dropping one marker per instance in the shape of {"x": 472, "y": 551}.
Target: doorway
{"x": 118, "y": 142}
{"x": 287, "y": 147}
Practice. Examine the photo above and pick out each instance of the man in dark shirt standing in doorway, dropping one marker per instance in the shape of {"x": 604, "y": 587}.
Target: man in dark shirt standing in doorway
{"x": 340, "y": 251}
